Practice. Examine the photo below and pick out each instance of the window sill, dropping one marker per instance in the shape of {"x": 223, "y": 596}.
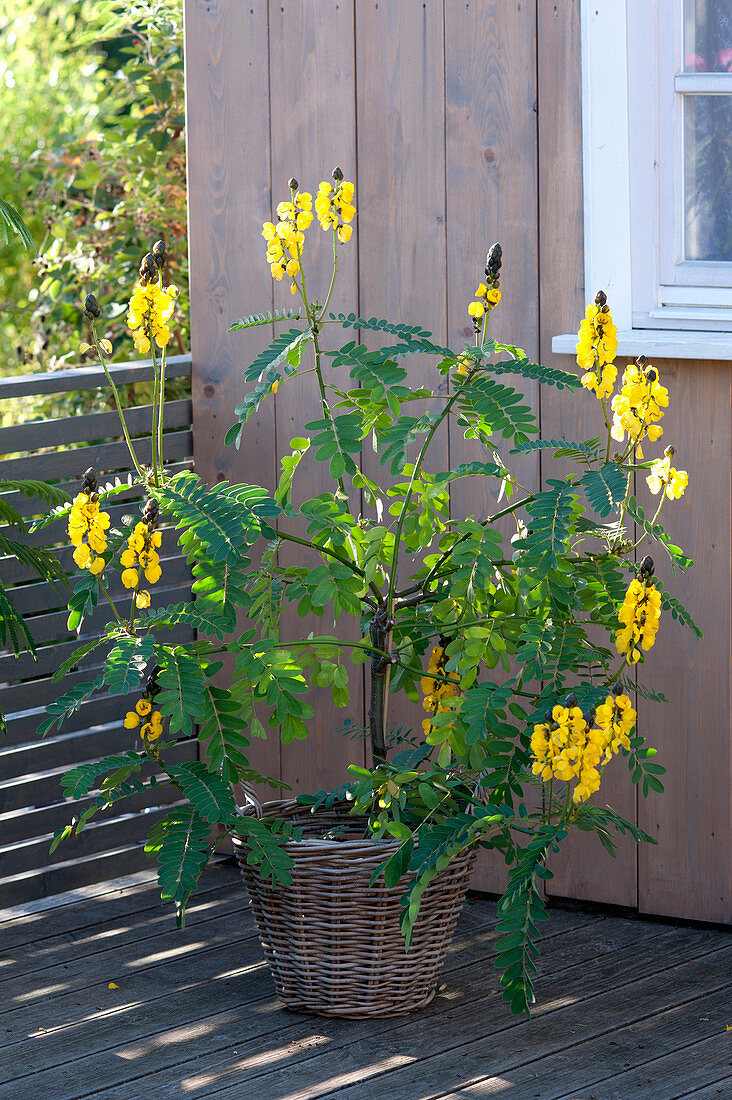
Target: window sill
{"x": 660, "y": 344}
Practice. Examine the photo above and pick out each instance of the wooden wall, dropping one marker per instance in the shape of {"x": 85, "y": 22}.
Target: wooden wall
{"x": 460, "y": 123}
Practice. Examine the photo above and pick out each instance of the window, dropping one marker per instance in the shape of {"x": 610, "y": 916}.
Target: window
{"x": 657, "y": 157}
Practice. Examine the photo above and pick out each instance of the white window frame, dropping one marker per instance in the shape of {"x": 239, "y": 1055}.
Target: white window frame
{"x": 625, "y": 123}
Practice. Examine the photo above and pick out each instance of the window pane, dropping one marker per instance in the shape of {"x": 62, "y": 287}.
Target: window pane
{"x": 708, "y": 177}
{"x": 707, "y": 36}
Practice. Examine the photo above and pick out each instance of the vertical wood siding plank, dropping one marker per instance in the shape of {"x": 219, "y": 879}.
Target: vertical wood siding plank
{"x": 401, "y": 158}
{"x": 583, "y": 869}
{"x": 490, "y": 90}
{"x": 688, "y": 873}
{"x": 313, "y": 128}
{"x": 227, "y": 127}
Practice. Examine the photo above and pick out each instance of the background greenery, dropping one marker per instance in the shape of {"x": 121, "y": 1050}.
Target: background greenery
{"x": 93, "y": 140}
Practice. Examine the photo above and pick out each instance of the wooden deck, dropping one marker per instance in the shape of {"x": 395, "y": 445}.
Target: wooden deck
{"x": 628, "y": 1010}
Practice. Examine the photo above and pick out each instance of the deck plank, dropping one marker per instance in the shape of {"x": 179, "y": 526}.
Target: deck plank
{"x": 212, "y": 1016}
{"x": 465, "y": 978}
{"x": 626, "y": 1007}
{"x": 593, "y": 1066}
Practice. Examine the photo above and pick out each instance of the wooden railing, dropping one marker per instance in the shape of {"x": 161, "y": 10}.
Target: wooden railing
{"x": 32, "y": 807}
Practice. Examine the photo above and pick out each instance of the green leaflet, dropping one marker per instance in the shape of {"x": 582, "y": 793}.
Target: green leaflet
{"x": 657, "y": 532}
{"x": 550, "y": 526}
{"x": 209, "y": 793}
{"x": 350, "y": 320}
{"x": 181, "y": 697}
{"x": 563, "y": 448}
{"x": 489, "y": 407}
{"x": 78, "y": 782}
{"x": 549, "y": 376}
{"x": 224, "y": 518}
{"x": 267, "y": 318}
{"x": 222, "y": 728}
{"x": 605, "y": 488}
{"x": 336, "y": 441}
{"x": 126, "y": 664}
{"x": 277, "y": 351}
{"x": 11, "y": 222}
{"x": 66, "y": 704}
{"x": 520, "y": 910}
{"x": 181, "y": 843}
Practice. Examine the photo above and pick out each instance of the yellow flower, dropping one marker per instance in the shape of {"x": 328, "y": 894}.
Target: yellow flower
{"x": 639, "y": 405}
{"x": 129, "y": 578}
{"x": 334, "y": 208}
{"x": 143, "y": 706}
{"x": 132, "y": 720}
{"x": 663, "y": 475}
{"x": 153, "y": 574}
{"x": 476, "y": 309}
{"x": 87, "y": 521}
{"x": 494, "y": 296}
{"x": 597, "y": 345}
{"x": 149, "y": 308}
{"x": 142, "y": 598}
{"x": 639, "y": 616}
{"x": 106, "y": 347}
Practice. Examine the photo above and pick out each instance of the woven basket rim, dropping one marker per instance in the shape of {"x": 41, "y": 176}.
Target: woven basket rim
{"x": 286, "y": 808}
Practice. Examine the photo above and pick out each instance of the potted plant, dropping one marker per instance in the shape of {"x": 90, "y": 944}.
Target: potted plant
{"x": 523, "y": 652}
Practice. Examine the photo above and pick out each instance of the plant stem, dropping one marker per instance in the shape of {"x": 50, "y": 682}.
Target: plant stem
{"x": 111, "y": 603}
{"x": 415, "y": 474}
{"x": 335, "y": 273}
{"x": 161, "y": 408}
{"x": 156, "y": 396}
{"x": 117, "y": 402}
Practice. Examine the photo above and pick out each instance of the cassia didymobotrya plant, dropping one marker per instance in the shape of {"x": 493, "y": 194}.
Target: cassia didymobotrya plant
{"x": 522, "y": 649}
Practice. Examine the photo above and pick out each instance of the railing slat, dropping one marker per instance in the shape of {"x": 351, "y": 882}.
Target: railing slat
{"x": 90, "y": 378}
{"x": 106, "y": 458}
{"x": 60, "y": 431}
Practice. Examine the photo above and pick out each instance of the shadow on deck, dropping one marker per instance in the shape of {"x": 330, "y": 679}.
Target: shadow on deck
{"x": 626, "y": 1009}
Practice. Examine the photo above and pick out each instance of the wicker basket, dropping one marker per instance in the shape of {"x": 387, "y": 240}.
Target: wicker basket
{"x": 333, "y": 943}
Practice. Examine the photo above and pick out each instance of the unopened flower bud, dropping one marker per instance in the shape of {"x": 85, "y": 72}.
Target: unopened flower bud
{"x": 651, "y": 374}
{"x": 547, "y": 716}
{"x": 572, "y": 700}
{"x": 159, "y": 248}
{"x": 641, "y": 360}
{"x": 669, "y": 452}
{"x": 91, "y": 307}
{"x": 601, "y": 299}
{"x": 337, "y": 174}
{"x": 646, "y": 566}
{"x": 292, "y": 183}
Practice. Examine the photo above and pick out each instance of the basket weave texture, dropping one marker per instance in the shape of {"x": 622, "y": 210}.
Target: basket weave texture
{"x": 333, "y": 943}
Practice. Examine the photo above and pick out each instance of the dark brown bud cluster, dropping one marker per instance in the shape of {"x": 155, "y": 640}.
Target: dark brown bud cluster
{"x": 494, "y": 259}
{"x": 89, "y": 484}
{"x": 337, "y": 174}
{"x": 148, "y": 269}
{"x": 91, "y": 308}
{"x": 151, "y": 512}
{"x": 646, "y": 568}
{"x": 160, "y": 253}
